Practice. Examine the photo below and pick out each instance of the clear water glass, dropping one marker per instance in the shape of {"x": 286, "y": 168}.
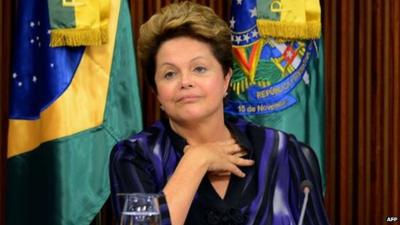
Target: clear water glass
{"x": 140, "y": 209}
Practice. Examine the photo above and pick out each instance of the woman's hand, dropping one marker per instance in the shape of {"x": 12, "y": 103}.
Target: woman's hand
{"x": 220, "y": 157}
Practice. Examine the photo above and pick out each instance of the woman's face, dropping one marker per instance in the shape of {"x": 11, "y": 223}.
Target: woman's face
{"x": 189, "y": 80}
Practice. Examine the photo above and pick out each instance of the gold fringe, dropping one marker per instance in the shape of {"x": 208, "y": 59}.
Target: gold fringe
{"x": 104, "y": 18}
{"x": 77, "y": 37}
{"x": 104, "y": 33}
{"x": 309, "y": 30}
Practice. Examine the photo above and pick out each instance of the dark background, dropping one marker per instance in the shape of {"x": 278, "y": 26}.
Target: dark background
{"x": 362, "y": 104}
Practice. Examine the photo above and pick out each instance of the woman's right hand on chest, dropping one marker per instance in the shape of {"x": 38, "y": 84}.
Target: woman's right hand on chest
{"x": 219, "y": 157}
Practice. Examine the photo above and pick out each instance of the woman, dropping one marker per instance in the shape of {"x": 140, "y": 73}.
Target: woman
{"x": 211, "y": 169}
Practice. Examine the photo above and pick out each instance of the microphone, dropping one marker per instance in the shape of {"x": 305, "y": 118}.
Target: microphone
{"x": 305, "y": 187}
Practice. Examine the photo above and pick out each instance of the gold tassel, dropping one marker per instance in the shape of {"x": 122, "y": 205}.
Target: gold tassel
{"x": 104, "y": 33}
{"x": 309, "y": 30}
{"x": 75, "y": 37}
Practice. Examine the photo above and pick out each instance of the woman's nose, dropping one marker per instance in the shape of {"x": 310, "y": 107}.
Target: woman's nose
{"x": 186, "y": 81}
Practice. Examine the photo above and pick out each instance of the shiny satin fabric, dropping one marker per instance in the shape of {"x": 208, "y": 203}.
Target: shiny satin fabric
{"x": 269, "y": 194}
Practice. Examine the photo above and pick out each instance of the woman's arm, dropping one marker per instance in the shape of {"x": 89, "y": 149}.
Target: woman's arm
{"x": 195, "y": 163}
{"x": 130, "y": 171}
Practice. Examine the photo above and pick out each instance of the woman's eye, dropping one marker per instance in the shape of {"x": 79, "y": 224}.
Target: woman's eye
{"x": 200, "y": 69}
{"x": 169, "y": 75}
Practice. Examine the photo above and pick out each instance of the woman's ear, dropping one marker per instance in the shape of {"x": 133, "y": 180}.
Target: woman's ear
{"x": 227, "y": 79}
{"x": 155, "y": 92}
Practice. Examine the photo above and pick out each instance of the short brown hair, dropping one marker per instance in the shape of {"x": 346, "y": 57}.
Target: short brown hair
{"x": 186, "y": 19}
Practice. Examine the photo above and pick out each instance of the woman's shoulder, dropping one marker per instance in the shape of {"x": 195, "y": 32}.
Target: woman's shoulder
{"x": 282, "y": 145}
{"x": 139, "y": 143}
{"x": 271, "y": 138}
{"x": 156, "y": 129}
{"x": 243, "y": 123}
{"x": 259, "y": 131}
{"x": 148, "y": 133}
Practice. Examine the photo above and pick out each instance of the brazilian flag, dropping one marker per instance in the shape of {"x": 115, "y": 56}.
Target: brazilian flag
{"x": 68, "y": 107}
{"x": 278, "y": 73}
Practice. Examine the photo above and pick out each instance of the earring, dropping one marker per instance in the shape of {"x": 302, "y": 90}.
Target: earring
{"x": 162, "y": 107}
{"x": 226, "y": 94}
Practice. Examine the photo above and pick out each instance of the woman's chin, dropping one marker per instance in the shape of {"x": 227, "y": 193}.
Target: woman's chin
{"x": 189, "y": 117}
{"x": 195, "y": 113}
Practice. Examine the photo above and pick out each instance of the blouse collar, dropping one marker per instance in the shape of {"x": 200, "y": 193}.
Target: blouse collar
{"x": 179, "y": 142}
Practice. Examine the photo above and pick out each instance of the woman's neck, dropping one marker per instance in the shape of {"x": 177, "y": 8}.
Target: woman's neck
{"x": 209, "y": 130}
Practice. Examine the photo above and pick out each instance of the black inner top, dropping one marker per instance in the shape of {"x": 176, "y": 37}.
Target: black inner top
{"x": 208, "y": 207}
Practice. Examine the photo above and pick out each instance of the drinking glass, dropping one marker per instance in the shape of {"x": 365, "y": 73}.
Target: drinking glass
{"x": 140, "y": 209}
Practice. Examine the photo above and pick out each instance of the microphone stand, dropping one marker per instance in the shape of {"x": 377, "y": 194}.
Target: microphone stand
{"x": 306, "y": 188}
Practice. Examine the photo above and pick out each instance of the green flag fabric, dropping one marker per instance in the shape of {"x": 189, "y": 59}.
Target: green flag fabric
{"x": 68, "y": 107}
{"x": 277, "y": 82}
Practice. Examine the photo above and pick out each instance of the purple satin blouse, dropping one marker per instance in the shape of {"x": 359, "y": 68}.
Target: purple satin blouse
{"x": 268, "y": 195}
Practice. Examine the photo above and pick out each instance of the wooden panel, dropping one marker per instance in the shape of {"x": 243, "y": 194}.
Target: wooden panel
{"x": 362, "y": 105}
{"x": 363, "y": 96}
{"x": 5, "y": 42}
{"x": 395, "y": 168}
{"x": 330, "y": 12}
